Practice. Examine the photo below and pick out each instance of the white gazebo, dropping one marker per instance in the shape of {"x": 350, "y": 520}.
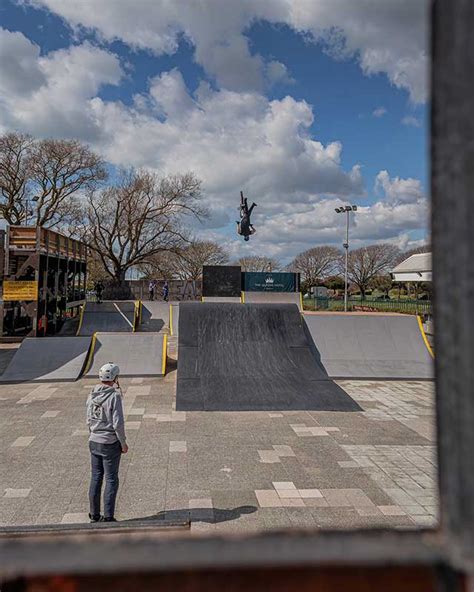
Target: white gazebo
{"x": 416, "y": 269}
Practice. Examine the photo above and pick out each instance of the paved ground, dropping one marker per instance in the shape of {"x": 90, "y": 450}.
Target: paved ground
{"x": 233, "y": 471}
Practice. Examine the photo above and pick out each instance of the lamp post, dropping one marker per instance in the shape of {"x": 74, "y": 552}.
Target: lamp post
{"x": 346, "y": 210}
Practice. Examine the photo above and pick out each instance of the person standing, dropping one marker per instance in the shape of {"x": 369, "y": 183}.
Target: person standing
{"x": 151, "y": 289}
{"x": 99, "y": 288}
{"x": 107, "y": 441}
{"x": 165, "y": 291}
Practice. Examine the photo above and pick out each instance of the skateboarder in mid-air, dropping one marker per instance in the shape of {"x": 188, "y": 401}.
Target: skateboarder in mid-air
{"x": 244, "y": 227}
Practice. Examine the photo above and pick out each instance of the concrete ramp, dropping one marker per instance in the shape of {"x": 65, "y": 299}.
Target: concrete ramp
{"x": 222, "y": 299}
{"x": 48, "y": 359}
{"x": 370, "y": 346}
{"x": 235, "y": 357}
{"x": 155, "y": 317}
{"x": 137, "y": 354}
{"x": 273, "y": 298}
{"x": 115, "y": 317}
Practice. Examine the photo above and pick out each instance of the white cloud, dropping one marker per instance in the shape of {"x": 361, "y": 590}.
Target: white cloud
{"x": 399, "y": 191}
{"x": 411, "y": 121}
{"x": 19, "y": 65}
{"x": 232, "y": 141}
{"x": 385, "y": 36}
{"x": 379, "y": 112}
{"x": 402, "y": 210}
{"x": 50, "y": 95}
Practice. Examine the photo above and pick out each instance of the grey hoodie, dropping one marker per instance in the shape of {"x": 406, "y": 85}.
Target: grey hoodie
{"x": 105, "y": 415}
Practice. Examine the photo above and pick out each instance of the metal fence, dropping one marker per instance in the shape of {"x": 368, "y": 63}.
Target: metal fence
{"x": 356, "y": 304}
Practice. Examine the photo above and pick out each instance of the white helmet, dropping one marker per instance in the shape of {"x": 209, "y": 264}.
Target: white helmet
{"x": 109, "y": 372}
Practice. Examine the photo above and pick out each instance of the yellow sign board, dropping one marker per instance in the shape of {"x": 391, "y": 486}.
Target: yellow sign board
{"x": 20, "y": 290}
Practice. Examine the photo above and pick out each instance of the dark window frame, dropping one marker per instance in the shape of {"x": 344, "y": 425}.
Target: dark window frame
{"x": 452, "y": 544}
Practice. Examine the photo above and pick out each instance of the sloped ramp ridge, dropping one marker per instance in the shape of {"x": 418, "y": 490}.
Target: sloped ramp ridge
{"x": 48, "y": 359}
{"x": 137, "y": 354}
{"x": 117, "y": 317}
{"x": 370, "y": 346}
{"x": 155, "y": 316}
{"x": 274, "y": 298}
{"x": 235, "y": 357}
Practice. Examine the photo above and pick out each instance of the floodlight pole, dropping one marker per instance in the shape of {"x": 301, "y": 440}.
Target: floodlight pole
{"x": 347, "y": 210}
{"x": 346, "y": 247}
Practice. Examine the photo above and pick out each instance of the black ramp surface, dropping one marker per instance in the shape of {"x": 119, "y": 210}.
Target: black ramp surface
{"x": 155, "y": 316}
{"x": 48, "y": 359}
{"x": 239, "y": 357}
{"x": 370, "y": 346}
{"x": 137, "y": 354}
{"x": 107, "y": 317}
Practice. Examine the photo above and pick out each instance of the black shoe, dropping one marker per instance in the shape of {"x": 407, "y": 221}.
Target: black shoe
{"x": 94, "y": 518}
{"x": 104, "y": 519}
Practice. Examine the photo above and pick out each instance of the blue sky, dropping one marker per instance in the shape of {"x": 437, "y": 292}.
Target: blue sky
{"x": 202, "y": 88}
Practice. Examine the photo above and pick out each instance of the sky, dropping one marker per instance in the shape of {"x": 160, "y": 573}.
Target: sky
{"x": 305, "y": 105}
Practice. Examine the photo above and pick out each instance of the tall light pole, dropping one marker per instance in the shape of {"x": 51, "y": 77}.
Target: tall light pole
{"x": 346, "y": 210}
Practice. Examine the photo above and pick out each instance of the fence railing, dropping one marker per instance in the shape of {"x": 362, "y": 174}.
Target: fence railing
{"x": 356, "y": 304}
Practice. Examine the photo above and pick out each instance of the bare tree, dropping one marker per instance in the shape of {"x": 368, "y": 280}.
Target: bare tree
{"x": 14, "y": 177}
{"x": 367, "y": 262}
{"x": 382, "y": 282}
{"x": 159, "y": 266}
{"x": 315, "y": 265}
{"x": 255, "y": 263}
{"x": 140, "y": 217}
{"x": 188, "y": 262}
{"x": 60, "y": 171}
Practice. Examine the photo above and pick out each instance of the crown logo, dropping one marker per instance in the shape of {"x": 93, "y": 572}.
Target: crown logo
{"x": 269, "y": 280}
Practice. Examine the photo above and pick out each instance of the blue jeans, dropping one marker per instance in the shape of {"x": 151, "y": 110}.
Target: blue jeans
{"x": 105, "y": 460}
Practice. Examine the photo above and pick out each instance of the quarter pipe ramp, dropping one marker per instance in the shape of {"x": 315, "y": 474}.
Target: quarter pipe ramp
{"x": 273, "y": 298}
{"x": 48, "y": 359}
{"x": 107, "y": 317}
{"x": 235, "y": 357}
{"x": 137, "y": 354}
{"x": 155, "y": 317}
{"x": 370, "y": 346}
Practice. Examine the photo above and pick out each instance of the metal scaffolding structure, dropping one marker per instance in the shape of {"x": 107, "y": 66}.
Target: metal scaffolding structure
{"x": 44, "y": 280}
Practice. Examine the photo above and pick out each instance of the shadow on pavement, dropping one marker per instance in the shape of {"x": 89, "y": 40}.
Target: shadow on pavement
{"x": 209, "y": 515}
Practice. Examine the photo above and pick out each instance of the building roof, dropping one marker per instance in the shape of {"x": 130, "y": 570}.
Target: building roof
{"x": 416, "y": 268}
{"x": 414, "y": 264}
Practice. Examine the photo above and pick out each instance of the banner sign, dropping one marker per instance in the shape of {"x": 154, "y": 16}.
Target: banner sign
{"x": 269, "y": 282}
{"x": 20, "y": 290}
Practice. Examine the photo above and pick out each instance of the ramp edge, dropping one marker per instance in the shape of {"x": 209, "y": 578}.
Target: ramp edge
{"x": 423, "y": 334}
{"x": 90, "y": 356}
{"x": 164, "y": 354}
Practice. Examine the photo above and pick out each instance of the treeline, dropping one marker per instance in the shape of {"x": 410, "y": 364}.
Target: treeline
{"x": 128, "y": 222}
{"x": 368, "y": 267}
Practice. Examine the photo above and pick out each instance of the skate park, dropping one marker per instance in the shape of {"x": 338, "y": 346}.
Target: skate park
{"x": 242, "y": 412}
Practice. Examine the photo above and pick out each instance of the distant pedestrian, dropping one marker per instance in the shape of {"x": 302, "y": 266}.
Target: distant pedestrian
{"x": 151, "y": 289}
{"x": 107, "y": 441}
{"x": 165, "y": 292}
{"x": 99, "y": 288}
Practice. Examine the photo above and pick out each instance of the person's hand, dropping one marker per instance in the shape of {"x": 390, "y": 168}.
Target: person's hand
{"x": 125, "y": 449}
